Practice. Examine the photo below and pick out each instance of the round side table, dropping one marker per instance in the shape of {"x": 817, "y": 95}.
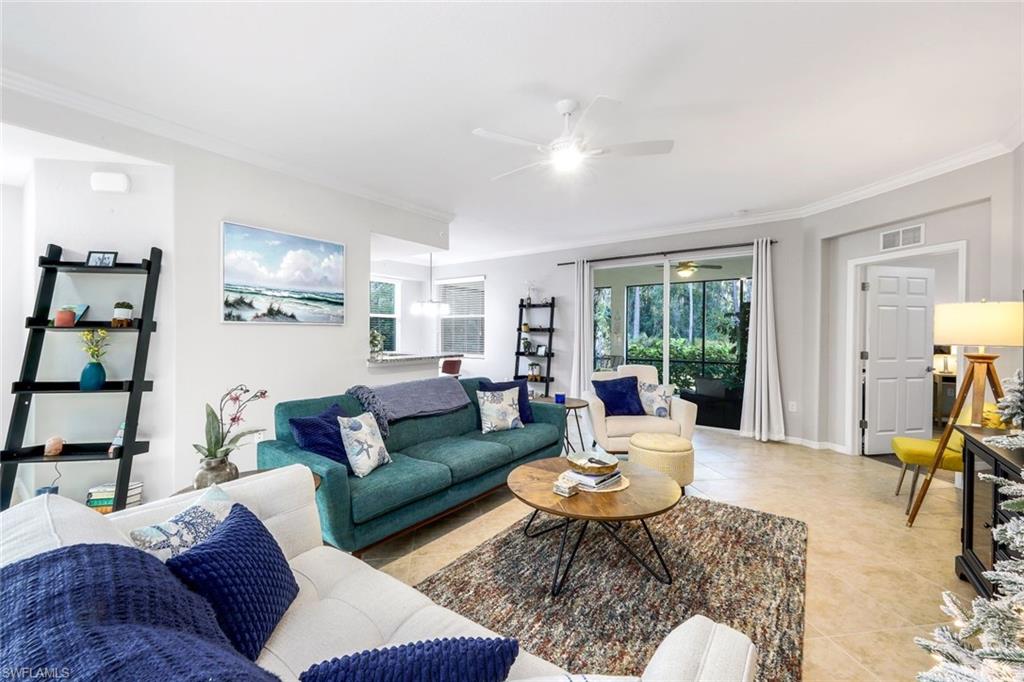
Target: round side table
{"x": 573, "y": 406}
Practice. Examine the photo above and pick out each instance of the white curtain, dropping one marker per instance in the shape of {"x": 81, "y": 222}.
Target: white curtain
{"x": 762, "y": 416}
{"x": 582, "y": 329}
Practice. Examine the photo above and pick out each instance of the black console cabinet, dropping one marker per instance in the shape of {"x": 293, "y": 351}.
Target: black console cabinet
{"x": 981, "y": 505}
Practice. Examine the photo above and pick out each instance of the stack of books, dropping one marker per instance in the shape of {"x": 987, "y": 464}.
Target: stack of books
{"x": 594, "y": 481}
{"x": 101, "y": 497}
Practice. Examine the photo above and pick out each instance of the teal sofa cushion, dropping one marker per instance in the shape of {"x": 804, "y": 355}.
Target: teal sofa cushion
{"x": 521, "y": 441}
{"x": 395, "y": 485}
{"x": 465, "y": 457}
{"x": 414, "y": 430}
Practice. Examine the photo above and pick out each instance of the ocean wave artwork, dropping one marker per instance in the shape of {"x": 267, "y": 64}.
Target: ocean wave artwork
{"x": 276, "y": 277}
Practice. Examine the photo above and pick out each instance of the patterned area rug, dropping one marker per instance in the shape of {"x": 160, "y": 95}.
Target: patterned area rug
{"x": 736, "y": 566}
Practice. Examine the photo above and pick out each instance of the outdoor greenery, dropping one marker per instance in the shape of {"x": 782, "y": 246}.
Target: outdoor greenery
{"x": 602, "y": 322}
{"x": 382, "y": 314}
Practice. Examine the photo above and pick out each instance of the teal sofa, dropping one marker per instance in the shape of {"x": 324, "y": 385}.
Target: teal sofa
{"x": 438, "y": 463}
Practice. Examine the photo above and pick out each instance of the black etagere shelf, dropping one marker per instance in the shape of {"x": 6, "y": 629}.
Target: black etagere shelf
{"x": 521, "y": 333}
{"x": 15, "y": 452}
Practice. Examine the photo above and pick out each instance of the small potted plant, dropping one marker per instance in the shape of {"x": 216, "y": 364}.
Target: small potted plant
{"x": 95, "y": 346}
{"x": 220, "y": 441}
{"x": 376, "y": 344}
{"x": 122, "y": 314}
{"x": 65, "y": 317}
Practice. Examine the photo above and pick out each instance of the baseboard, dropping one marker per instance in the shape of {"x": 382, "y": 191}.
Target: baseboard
{"x": 819, "y": 445}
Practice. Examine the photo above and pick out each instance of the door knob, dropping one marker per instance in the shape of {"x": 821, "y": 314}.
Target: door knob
{"x": 929, "y": 369}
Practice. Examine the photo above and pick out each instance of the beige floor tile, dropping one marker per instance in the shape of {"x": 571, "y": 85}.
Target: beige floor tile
{"x": 825, "y": 661}
{"x": 889, "y": 654}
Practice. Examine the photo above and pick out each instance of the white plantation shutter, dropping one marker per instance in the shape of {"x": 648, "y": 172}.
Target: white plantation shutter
{"x": 462, "y": 329}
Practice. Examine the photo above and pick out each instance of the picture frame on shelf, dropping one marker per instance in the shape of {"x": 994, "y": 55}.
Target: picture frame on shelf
{"x": 101, "y": 259}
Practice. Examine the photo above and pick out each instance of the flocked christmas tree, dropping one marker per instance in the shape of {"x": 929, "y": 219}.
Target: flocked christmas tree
{"x": 1011, "y": 411}
{"x": 988, "y": 641}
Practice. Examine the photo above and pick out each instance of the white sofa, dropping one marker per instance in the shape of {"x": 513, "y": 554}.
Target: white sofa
{"x": 344, "y": 605}
{"x": 612, "y": 433}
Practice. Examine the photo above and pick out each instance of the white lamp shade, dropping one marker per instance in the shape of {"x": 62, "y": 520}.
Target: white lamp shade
{"x": 987, "y": 323}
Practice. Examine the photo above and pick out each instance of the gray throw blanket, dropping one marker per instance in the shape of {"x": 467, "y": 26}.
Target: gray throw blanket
{"x": 420, "y": 398}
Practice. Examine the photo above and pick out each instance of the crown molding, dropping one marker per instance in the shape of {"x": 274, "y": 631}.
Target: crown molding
{"x": 95, "y": 106}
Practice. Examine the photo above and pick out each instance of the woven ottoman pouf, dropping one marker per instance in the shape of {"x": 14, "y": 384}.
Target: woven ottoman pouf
{"x": 671, "y": 455}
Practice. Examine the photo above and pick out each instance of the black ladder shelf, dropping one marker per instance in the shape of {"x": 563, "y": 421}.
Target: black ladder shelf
{"x": 15, "y": 452}
{"x": 524, "y": 308}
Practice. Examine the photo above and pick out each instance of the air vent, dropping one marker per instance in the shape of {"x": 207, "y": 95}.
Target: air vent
{"x": 912, "y": 235}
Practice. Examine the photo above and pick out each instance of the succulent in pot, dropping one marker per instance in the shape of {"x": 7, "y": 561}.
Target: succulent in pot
{"x": 122, "y": 314}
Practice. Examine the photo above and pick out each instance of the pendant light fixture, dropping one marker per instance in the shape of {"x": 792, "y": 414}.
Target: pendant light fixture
{"x": 430, "y": 307}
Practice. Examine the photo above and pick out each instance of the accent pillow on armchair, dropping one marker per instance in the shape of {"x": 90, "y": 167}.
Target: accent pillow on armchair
{"x": 621, "y": 397}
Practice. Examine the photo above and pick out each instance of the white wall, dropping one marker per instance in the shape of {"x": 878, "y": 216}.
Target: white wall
{"x": 12, "y": 338}
{"x": 417, "y": 334}
{"x": 209, "y": 356}
{"x": 69, "y": 214}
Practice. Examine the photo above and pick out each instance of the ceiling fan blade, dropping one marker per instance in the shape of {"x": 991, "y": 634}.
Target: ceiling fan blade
{"x": 710, "y": 267}
{"x": 520, "y": 169}
{"x": 647, "y": 148}
{"x": 600, "y": 107}
{"x": 510, "y": 139}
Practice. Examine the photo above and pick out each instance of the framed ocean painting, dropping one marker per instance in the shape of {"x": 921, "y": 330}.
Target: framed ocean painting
{"x": 269, "y": 276}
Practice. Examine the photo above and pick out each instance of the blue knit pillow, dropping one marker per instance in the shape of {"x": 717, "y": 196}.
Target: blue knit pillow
{"x": 466, "y": 659}
{"x": 243, "y": 574}
{"x": 321, "y": 434}
{"x": 525, "y": 411}
{"x": 621, "y": 397}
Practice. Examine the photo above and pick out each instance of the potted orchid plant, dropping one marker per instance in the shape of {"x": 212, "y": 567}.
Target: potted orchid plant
{"x": 221, "y": 436}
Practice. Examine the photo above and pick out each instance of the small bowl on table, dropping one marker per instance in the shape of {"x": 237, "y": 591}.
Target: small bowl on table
{"x": 593, "y": 463}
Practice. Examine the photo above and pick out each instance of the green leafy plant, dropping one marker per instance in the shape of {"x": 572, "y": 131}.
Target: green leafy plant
{"x": 220, "y": 441}
{"x": 376, "y": 341}
{"x": 123, "y": 305}
{"x": 95, "y": 341}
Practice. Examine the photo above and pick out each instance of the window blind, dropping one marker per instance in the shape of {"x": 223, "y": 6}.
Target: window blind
{"x": 462, "y": 329}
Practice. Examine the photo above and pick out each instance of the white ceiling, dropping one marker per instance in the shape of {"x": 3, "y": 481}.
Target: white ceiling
{"x": 18, "y": 148}
{"x": 772, "y": 106}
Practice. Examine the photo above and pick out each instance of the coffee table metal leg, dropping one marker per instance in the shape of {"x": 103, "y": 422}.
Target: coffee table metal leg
{"x": 666, "y": 578}
{"x": 561, "y": 575}
{"x": 543, "y": 529}
{"x": 579, "y": 430}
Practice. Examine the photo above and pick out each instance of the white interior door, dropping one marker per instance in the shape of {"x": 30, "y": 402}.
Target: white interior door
{"x": 898, "y": 335}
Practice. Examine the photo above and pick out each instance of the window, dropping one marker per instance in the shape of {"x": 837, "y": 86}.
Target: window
{"x": 603, "y": 354}
{"x": 706, "y": 329}
{"x": 384, "y": 311}
{"x": 462, "y": 329}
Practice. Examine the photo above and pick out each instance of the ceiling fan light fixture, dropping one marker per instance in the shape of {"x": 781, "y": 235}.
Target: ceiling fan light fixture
{"x": 567, "y": 159}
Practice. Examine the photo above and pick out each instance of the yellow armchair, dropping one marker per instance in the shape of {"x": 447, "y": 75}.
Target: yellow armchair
{"x": 919, "y": 452}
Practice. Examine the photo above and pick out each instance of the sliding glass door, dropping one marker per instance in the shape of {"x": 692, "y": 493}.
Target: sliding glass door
{"x": 696, "y": 337}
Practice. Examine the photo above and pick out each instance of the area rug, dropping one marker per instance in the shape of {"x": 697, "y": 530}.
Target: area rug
{"x": 736, "y": 566}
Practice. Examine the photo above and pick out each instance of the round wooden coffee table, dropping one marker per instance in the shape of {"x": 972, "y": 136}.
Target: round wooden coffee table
{"x": 650, "y": 493}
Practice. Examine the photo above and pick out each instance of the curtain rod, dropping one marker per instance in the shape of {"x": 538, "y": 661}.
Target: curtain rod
{"x": 663, "y": 253}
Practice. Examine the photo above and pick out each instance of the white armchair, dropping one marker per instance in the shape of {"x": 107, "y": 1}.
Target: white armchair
{"x": 612, "y": 433}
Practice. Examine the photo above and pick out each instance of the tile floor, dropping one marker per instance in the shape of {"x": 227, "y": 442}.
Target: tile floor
{"x": 872, "y": 583}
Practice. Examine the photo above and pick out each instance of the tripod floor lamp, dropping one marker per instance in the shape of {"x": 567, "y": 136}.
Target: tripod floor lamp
{"x": 973, "y": 324}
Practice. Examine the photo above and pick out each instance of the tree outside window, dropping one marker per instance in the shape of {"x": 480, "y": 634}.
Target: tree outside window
{"x": 384, "y": 312}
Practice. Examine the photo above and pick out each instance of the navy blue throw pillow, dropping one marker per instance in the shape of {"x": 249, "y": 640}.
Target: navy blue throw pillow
{"x": 621, "y": 397}
{"x": 525, "y": 411}
{"x": 321, "y": 434}
{"x": 242, "y": 572}
{"x": 466, "y": 659}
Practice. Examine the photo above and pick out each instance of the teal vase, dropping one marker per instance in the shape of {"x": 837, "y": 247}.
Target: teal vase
{"x": 93, "y": 377}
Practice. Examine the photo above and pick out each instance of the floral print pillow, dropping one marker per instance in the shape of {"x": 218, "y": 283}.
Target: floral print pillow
{"x": 187, "y": 528}
{"x": 364, "y": 446}
{"x": 655, "y": 398}
{"x": 499, "y": 410}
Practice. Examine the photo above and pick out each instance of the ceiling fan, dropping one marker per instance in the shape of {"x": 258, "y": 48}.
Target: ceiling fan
{"x": 688, "y": 268}
{"x": 570, "y": 150}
